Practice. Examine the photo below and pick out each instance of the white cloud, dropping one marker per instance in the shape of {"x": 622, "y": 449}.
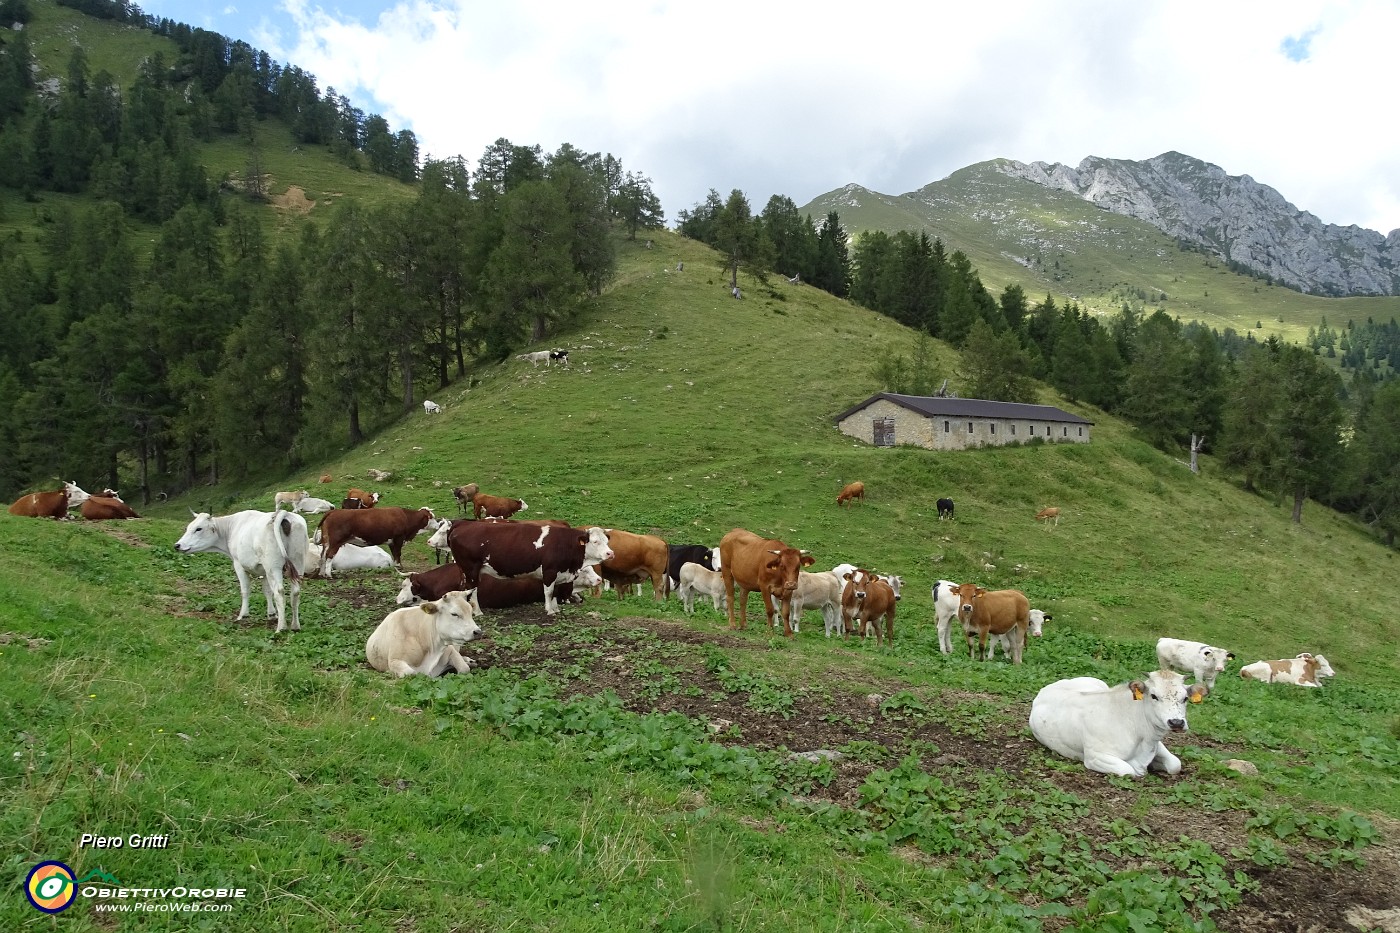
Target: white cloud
{"x": 799, "y": 100}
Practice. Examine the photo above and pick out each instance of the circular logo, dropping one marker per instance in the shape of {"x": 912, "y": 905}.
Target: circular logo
{"x": 50, "y": 887}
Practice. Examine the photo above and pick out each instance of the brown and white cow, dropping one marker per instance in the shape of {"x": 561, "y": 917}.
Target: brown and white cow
{"x": 851, "y": 492}
{"x": 636, "y": 559}
{"x": 42, "y": 505}
{"x": 102, "y": 508}
{"x": 546, "y": 553}
{"x": 875, "y": 600}
{"x": 484, "y": 506}
{"x": 359, "y": 499}
{"x": 491, "y": 592}
{"x": 994, "y": 612}
{"x": 765, "y": 566}
{"x": 390, "y": 524}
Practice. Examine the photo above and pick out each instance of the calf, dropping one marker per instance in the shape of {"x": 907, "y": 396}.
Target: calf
{"x": 1038, "y": 620}
{"x": 326, "y": 477}
{"x": 270, "y": 545}
{"x": 42, "y": 505}
{"x": 993, "y": 612}
{"x": 766, "y": 566}
{"x": 491, "y": 593}
{"x": 464, "y": 494}
{"x": 636, "y": 558}
{"x": 852, "y": 492}
{"x": 559, "y": 356}
{"x": 102, "y": 508}
{"x": 535, "y": 358}
{"x": 391, "y": 524}
{"x": 875, "y": 600}
{"x": 946, "y": 603}
{"x": 678, "y": 555}
{"x": 1048, "y": 515}
{"x": 431, "y": 408}
{"x": 1114, "y": 730}
{"x": 423, "y": 639}
{"x": 289, "y": 499}
{"x": 696, "y": 578}
{"x": 818, "y": 591}
{"x": 1193, "y": 657}
{"x": 549, "y": 554}
{"x": 945, "y": 509}
{"x": 853, "y": 581}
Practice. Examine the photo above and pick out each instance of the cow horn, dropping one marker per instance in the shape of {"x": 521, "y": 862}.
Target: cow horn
{"x": 194, "y": 513}
{"x": 771, "y": 551}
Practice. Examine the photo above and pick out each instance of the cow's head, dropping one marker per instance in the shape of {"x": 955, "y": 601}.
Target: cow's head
{"x": 587, "y": 578}
{"x": 968, "y": 594}
{"x": 1038, "y": 620}
{"x": 405, "y": 596}
{"x": 895, "y": 583}
{"x": 1215, "y": 658}
{"x": 595, "y": 545}
{"x": 76, "y": 496}
{"x": 1166, "y": 694}
{"x": 1323, "y": 668}
{"x": 441, "y": 532}
{"x": 784, "y": 566}
{"x": 452, "y": 617}
{"x": 201, "y": 534}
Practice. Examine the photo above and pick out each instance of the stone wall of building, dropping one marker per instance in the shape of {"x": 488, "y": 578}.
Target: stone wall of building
{"x": 948, "y": 433}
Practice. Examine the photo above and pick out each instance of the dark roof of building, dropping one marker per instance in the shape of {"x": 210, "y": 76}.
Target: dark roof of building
{"x": 934, "y": 407}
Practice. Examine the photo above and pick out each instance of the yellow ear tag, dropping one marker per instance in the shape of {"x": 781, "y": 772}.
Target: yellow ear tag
{"x": 1137, "y": 694}
{"x": 1196, "y": 698}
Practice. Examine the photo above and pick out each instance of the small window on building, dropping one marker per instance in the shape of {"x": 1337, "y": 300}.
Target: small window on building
{"x": 1032, "y": 430}
{"x": 1064, "y": 432}
{"x": 945, "y": 427}
{"x": 993, "y": 427}
{"x": 884, "y": 432}
{"x": 969, "y": 427}
{"x": 1081, "y": 432}
{"x": 1013, "y": 430}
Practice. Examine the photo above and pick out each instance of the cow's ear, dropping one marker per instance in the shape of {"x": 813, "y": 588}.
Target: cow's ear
{"x": 981, "y": 591}
{"x": 846, "y": 575}
{"x": 808, "y": 560}
{"x": 773, "y": 564}
{"x": 1197, "y": 692}
{"x": 429, "y": 608}
{"x": 1138, "y": 688}
{"x": 1229, "y": 655}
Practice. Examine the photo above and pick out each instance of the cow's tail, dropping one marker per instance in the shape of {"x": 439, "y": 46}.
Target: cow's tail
{"x": 293, "y": 554}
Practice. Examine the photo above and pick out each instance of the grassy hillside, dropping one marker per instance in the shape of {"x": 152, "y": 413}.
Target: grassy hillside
{"x": 1047, "y": 241}
{"x": 625, "y": 767}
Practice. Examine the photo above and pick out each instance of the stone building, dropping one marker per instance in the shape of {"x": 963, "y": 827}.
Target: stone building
{"x": 958, "y": 423}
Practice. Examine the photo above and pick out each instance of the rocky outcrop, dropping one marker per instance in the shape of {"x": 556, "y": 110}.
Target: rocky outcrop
{"x": 1233, "y": 217}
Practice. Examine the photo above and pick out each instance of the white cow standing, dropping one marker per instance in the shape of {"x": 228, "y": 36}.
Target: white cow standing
{"x": 1193, "y": 657}
{"x": 269, "y": 544}
{"x": 423, "y": 639}
{"x": 946, "y": 603}
{"x": 1115, "y": 730}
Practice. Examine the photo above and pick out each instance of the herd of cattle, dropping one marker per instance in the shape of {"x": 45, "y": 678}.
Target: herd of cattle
{"x": 500, "y": 561}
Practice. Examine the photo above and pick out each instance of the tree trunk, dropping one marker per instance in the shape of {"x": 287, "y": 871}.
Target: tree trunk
{"x": 537, "y": 332}
{"x": 734, "y": 272}
{"x": 356, "y": 435}
{"x": 1196, "y": 444}
{"x": 1299, "y": 495}
{"x": 143, "y": 455}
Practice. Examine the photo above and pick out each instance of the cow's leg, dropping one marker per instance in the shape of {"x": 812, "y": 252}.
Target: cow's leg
{"x": 743, "y": 609}
{"x": 396, "y": 549}
{"x": 269, "y": 595}
{"x": 1109, "y": 764}
{"x": 551, "y": 606}
{"x": 401, "y": 668}
{"x": 242, "y": 573}
{"x": 274, "y": 585}
{"x": 1165, "y": 761}
{"x": 452, "y": 657}
{"x": 687, "y": 598}
{"x": 945, "y": 636}
{"x": 296, "y": 603}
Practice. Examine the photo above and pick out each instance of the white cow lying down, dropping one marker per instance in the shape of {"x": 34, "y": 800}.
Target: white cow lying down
{"x": 354, "y": 557}
{"x": 423, "y": 639}
{"x": 1114, "y": 730}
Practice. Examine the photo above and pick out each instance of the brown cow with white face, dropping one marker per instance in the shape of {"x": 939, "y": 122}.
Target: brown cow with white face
{"x": 765, "y": 566}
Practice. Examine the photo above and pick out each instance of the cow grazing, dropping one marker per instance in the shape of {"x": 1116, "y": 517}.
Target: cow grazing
{"x": 818, "y": 591}
{"x": 993, "y": 612}
{"x": 945, "y": 509}
{"x": 1115, "y": 730}
{"x": 289, "y": 499}
{"x": 766, "y": 566}
{"x": 559, "y": 356}
{"x": 355, "y": 557}
{"x": 313, "y": 506}
{"x": 1048, "y": 516}
{"x": 535, "y": 358}
{"x": 431, "y": 407}
{"x": 1192, "y": 657}
{"x": 423, "y": 639}
{"x": 678, "y": 555}
{"x": 464, "y": 495}
{"x": 365, "y": 500}
{"x": 546, "y": 553}
{"x": 104, "y": 508}
{"x": 636, "y": 559}
{"x": 1306, "y": 670}
{"x": 42, "y": 505}
{"x": 391, "y": 524}
{"x": 271, "y": 545}
{"x": 946, "y": 603}
{"x": 852, "y": 492}
{"x": 699, "y": 579}
{"x": 875, "y": 601}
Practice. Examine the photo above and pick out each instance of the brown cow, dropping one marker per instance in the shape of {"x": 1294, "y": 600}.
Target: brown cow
{"x": 373, "y": 526}
{"x": 325, "y": 477}
{"x": 100, "y": 508}
{"x": 766, "y": 566}
{"x": 492, "y": 592}
{"x": 42, "y": 505}
{"x": 366, "y": 500}
{"x": 1048, "y": 515}
{"x": 549, "y": 555}
{"x": 852, "y": 491}
{"x": 852, "y": 582}
{"x": 636, "y": 558}
{"x": 993, "y": 612}
{"x": 875, "y": 599}
{"x": 496, "y": 506}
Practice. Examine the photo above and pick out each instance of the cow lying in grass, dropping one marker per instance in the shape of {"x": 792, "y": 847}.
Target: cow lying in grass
{"x": 423, "y": 639}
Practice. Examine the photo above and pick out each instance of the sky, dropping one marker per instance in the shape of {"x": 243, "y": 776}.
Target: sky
{"x": 801, "y": 98}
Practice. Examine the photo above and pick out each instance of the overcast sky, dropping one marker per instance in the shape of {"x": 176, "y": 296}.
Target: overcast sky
{"x": 800, "y": 98}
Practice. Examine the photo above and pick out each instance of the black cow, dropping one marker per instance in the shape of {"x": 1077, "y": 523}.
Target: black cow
{"x": 945, "y": 509}
{"x": 681, "y": 554}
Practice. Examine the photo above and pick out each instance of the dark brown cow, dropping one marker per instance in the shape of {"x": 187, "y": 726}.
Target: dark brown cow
{"x": 636, "y": 559}
{"x": 101, "y": 508}
{"x": 491, "y": 592}
{"x": 42, "y": 505}
{"x": 766, "y": 566}
{"x": 994, "y": 612}
{"x": 390, "y": 524}
{"x": 485, "y": 506}
{"x": 546, "y": 553}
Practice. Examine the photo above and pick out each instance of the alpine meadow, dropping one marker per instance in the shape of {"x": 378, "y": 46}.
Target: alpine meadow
{"x": 235, "y": 293}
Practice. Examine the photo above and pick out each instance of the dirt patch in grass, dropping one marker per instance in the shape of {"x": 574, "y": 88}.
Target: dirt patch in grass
{"x": 660, "y": 666}
{"x": 293, "y": 200}
{"x": 114, "y": 530}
